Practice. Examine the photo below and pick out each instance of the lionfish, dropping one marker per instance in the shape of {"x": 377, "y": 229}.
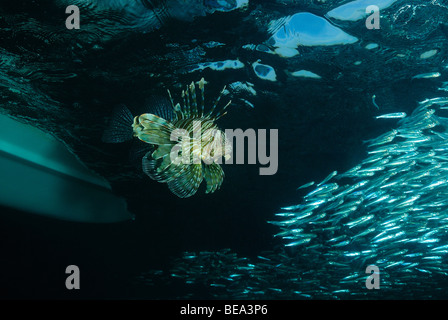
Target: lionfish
{"x": 186, "y": 144}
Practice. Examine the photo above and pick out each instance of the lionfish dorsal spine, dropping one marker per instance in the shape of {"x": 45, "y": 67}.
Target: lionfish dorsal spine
{"x": 189, "y": 101}
{"x": 210, "y": 113}
{"x": 185, "y": 102}
{"x": 223, "y": 111}
{"x": 201, "y": 85}
{"x": 171, "y": 98}
{"x": 176, "y": 111}
{"x": 194, "y": 104}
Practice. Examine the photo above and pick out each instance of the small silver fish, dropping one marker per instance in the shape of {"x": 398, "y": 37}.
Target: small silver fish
{"x": 359, "y": 221}
{"x": 299, "y": 242}
{"x": 396, "y": 115}
{"x": 328, "y": 178}
{"x": 309, "y": 184}
{"x": 427, "y": 75}
{"x": 374, "y": 103}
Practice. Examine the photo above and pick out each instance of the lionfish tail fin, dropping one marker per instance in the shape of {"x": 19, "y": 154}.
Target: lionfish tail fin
{"x": 159, "y": 106}
{"x": 119, "y": 128}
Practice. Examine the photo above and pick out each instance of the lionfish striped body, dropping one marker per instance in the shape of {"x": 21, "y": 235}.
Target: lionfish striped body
{"x": 187, "y": 145}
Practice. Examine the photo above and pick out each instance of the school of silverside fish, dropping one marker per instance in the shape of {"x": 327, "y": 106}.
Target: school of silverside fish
{"x": 390, "y": 211}
{"x": 393, "y": 213}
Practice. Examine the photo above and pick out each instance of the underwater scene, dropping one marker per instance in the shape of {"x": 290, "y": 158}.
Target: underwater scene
{"x": 224, "y": 149}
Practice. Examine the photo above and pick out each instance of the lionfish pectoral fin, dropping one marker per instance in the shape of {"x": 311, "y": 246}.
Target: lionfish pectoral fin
{"x": 162, "y": 151}
{"x": 165, "y": 164}
{"x": 153, "y": 122}
{"x": 157, "y": 131}
{"x": 187, "y": 183}
{"x": 156, "y": 138}
{"x": 119, "y": 128}
{"x": 160, "y": 169}
{"x": 178, "y": 111}
{"x": 213, "y": 176}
